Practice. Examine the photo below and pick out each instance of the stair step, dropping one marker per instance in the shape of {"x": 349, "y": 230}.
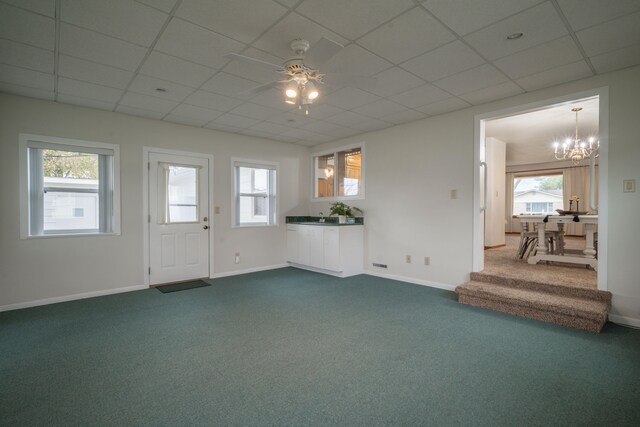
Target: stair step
{"x": 552, "y": 288}
{"x": 580, "y": 313}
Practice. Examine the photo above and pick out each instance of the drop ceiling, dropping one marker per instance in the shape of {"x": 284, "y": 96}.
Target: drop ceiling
{"x": 427, "y": 57}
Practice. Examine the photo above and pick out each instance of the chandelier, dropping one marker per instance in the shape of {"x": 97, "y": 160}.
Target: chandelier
{"x": 576, "y": 149}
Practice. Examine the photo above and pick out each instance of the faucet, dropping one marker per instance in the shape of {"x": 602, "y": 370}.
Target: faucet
{"x": 321, "y": 217}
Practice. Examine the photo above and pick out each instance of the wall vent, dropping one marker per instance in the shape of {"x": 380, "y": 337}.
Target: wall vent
{"x": 375, "y": 264}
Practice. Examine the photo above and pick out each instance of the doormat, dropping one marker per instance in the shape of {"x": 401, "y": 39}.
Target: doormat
{"x": 165, "y": 289}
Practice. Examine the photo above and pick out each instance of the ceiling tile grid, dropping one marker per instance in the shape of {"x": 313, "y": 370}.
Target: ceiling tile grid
{"x": 401, "y": 61}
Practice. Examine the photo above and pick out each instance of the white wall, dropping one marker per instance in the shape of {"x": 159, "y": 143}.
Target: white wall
{"x": 411, "y": 168}
{"x": 43, "y": 268}
{"x": 496, "y": 157}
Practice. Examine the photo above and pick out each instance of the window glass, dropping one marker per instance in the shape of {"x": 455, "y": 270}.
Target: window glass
{"x": 255, "y": 195}
{"x": 182, "y": 194}
{"x": 537, "y": 194}
{"x": 339, "y": 174}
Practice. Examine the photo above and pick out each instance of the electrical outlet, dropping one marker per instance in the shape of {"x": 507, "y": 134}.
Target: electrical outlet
{"x": 408, "y": 259}
{"x": 427, "y": 260}
{"x": 629, "y": 185}
{"x": 237, "y": 257}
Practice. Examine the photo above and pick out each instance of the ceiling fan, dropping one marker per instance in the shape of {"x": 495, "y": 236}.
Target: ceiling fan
{"x": 301, "y": 76}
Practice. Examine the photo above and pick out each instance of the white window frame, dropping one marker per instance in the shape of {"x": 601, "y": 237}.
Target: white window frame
{"x": 335, "y": 151}
{"x": 235, "y": 195}
{"x": 27, "y": 141}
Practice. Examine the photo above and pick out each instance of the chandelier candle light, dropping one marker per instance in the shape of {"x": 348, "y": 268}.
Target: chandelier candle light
{"x": 576, "y": 149}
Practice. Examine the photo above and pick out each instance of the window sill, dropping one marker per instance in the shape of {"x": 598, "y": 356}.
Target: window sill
{"x": 52, "y": 236}
{"x": 337, "y": 199}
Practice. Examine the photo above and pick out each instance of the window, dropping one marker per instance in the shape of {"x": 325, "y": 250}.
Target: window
{"x": 537, "y": 193}
{"x": 67, "y": 187}
{"x": 255, "y": 193}
{"x": 339, "y": 174}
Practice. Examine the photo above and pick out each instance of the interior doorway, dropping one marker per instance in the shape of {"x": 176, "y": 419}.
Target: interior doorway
{"x": 531, "y": 129}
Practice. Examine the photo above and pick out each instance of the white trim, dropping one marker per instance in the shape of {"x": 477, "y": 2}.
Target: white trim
{"x": 603, "y": 176}
{"x": 336, "y": 150}
{"x": 72, "y": 297}
{"x": 406, "y": 279}
{"x": 145, "y": 204}
{"x": 624, "y": 320}
{"x": 256, "y": 164}
{"x": 249, "y": 270}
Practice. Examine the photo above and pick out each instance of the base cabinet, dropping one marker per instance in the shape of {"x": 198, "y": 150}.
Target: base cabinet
{"x": 336, "y": 250}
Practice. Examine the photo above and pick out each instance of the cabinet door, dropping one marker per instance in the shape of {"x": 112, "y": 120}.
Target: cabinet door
{"x": 332, "y": 248}
{"x": 316, "y": 248}
{"x": 293, "y": 244}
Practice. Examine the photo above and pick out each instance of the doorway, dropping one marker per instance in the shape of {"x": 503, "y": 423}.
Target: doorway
{"x": 178, "y": 226}
{"x": 482, "y": 197}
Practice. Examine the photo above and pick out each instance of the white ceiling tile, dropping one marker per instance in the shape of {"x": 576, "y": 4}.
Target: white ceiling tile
{"x": 471, "y": 80}
{"x": 176, "y": 70}
{"x": 539, "y": 24}
{"x": 133, "y": 111}
{"x": 199, "y": 113}
{"x": 212, "y": 100}
{"x": 272, "y": 98}
{"x": 356, "y": 61}
{"x": 255, "y": 111}
{"x": 540, "y": 58}
{"x": 123, "y": 19}
{"x": 409, "y": 35}
{"x": 325, "y": 128}
{"x": 234, "y": 120}
{"x": 422, "y": 95}
{"x": 555, "y": 76}
{"x": 188, "y": 121}
{"x": 270, "y": 128}
{"x": 230, "y": 85}
{"x": 22, "y": 55}
{"x": 147, "y": 86}
{"x": 503, "y": 90}
{"x": 379, "y": 108}
{"x": 163, "y": 5}
{"x": 88, "y": 90}
{"x": 148, "y": 103}
{"x": 85, "y": 102}
{"x": 617, "y": 59}
{"x": 26, "y": 27}
{"x": 348, "y": 119}
{"x": 370, "y": 125}
{"x": 255, "y": 133}
{"x": 25, "y": 77}
{"x": 324, "y": 110}
{"x": 465, "y": 16}
{"x": 444, "y": 61}
{"x": 349, "y": 98}
{"x": 612, "y": 35}
{"x": 196, "y": 44}
{"x": 26, "y": 91}
{"x": 352, "y": 18}
{"x": 255, "y": 73}
{"x": 444, "y": 106}
{"x": 222, "y": 16}
{"x": 292, "y": 119}
{"x": 586, "y": 13}
{"x": 393, "y": 81}
{"x": 288, "y": 3}
{"x": 405, "y": 116}
{"x": 44, "y": 7}
{"x": 92, "y": 72}
{"x": 276, "y": 41}
{"x": 223, "y": 127}
{"x": 95, "y": 47}
{"x": 300, "y": 134}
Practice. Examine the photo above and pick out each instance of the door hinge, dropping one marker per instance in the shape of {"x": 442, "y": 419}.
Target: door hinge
{"x": 149, "y": 270}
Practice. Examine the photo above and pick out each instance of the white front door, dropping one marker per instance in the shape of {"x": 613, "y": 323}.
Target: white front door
{"x": 179, "y": 220}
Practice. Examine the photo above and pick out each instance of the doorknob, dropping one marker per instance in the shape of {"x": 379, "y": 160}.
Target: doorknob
{"x": 206, "y": 227}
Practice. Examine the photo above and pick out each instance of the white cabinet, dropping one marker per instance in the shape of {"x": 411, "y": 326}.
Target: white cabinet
{"x": 336, "y": 250}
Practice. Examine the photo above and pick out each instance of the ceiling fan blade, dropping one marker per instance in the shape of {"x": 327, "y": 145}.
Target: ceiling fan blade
{"x": 338, "y": 81}
{"x": 257, "y": 62}
{"x": 259, "y": 89}
{"x": 321, "y": 52}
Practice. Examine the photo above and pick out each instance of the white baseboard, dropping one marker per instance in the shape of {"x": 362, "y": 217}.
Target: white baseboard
{"x": 625, "y": 321}
{"x": 70, "y": 297}
{"x": 411, "y": 280}
{"x": 248, "y": 270}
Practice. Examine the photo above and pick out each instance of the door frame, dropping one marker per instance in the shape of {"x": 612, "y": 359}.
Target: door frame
{"x": 145, "y": 204}
{"x": 603, "y": 172}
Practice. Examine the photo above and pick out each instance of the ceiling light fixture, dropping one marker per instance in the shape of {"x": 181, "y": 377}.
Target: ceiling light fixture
{"x": 514, "y": 36}
{"x": 576, "y": 149}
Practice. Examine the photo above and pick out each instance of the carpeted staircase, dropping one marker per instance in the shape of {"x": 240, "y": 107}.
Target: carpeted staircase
{"x": 574, "y": 307}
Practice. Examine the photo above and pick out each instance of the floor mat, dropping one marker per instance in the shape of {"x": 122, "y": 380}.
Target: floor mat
{"x": 165, "y": 289}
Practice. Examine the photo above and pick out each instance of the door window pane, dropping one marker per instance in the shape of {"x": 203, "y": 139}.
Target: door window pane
{"x": 182, "y": 194}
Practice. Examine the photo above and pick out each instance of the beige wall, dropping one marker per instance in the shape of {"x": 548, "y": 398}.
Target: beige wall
{"x": 43, "y": 268}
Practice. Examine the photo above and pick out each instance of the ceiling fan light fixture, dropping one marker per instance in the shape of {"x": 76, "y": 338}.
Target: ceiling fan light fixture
{"x": 291, "y": 90}
{"x": 311, "y": 91}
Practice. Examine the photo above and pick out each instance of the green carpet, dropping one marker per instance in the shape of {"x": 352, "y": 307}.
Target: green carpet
{"x": 290, "y": 347}
{"x": 177, "y": 287}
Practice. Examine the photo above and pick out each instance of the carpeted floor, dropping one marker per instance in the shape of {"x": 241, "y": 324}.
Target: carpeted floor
{"x": 290, "y": 347}
{"x": 502, "y": 261}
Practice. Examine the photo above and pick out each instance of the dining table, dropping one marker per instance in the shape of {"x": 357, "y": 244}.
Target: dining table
{"x": 587, "y": 256}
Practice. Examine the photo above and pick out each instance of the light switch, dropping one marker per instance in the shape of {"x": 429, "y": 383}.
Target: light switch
{"x": 216, "y": 210}
{"x": 454, "y": 194}
{"x": 629, "y": 185}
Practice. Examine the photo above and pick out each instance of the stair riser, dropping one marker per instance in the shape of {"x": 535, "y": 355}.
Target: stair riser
{"x": 593, "y": 294}
{"x": 592, "y": 326}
